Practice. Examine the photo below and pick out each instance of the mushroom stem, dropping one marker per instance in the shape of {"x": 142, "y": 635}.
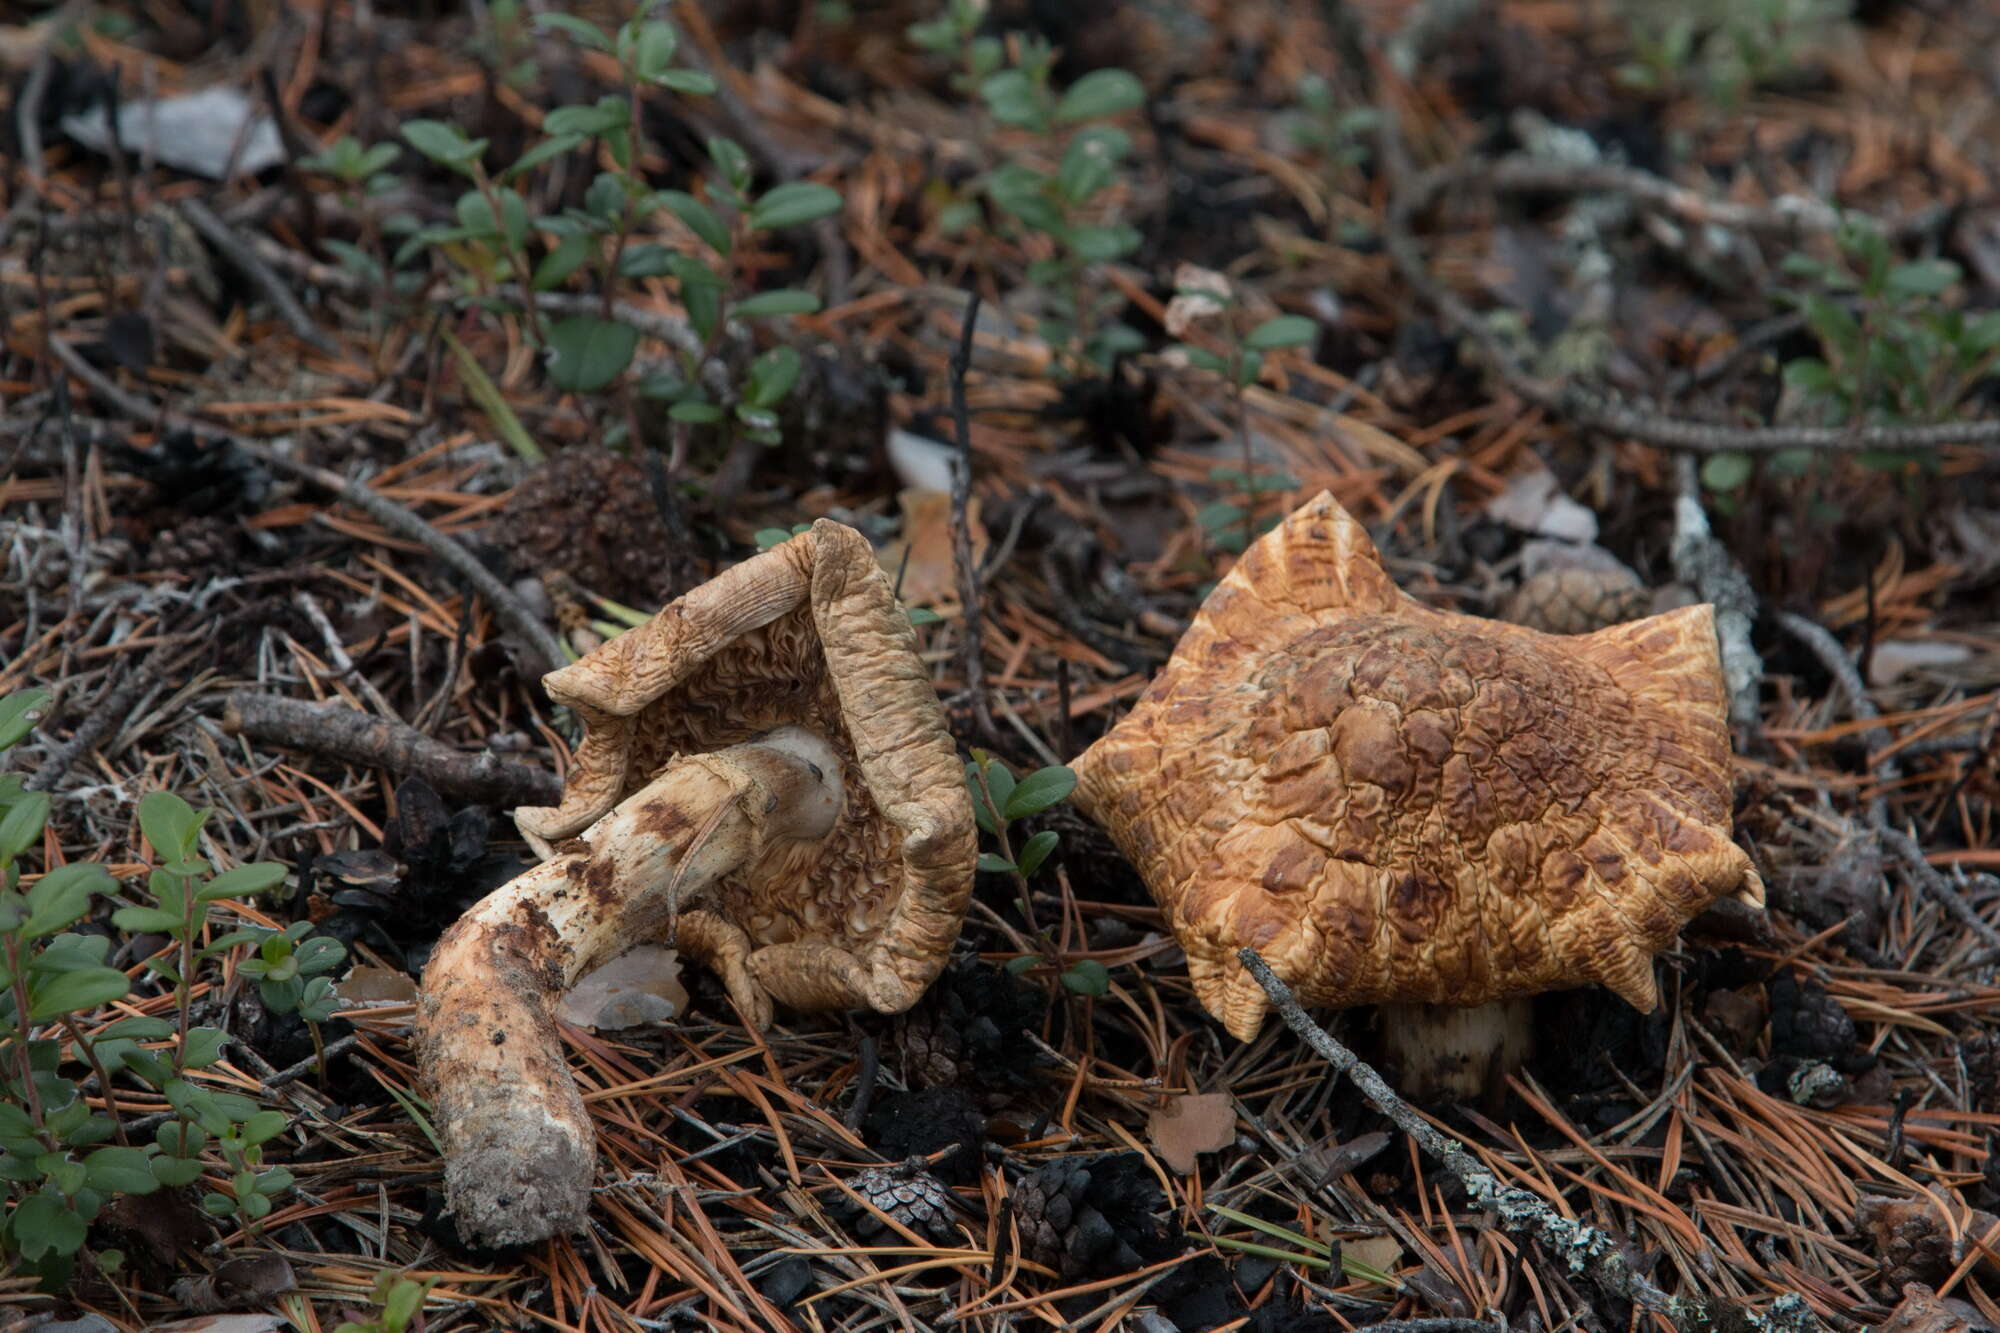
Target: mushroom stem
{"x": 519, "y": 1150}
{"x": 1444, "y": 1050}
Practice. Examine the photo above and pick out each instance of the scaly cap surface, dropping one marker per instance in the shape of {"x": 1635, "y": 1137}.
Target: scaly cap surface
{"x": 1392, "y": 803}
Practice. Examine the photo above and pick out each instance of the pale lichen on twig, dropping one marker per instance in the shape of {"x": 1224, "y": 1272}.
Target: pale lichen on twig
{"x": 1583, "y": 1248}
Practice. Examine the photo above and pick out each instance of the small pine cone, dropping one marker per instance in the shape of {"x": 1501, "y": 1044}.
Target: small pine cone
{"x": 1808, "y": 1023}
{"x": 971, "y": 1027}
{"x": 1909, "y": 1237}
{"x": 913, "y": 1196}
{"x": 1089, "y": 1216}
{"x": 194, "y": 546}
{"x": 1577, "y": 601}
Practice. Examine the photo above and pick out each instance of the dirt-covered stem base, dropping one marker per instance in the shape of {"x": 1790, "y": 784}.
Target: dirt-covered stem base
{"x": 519, "y": 1150}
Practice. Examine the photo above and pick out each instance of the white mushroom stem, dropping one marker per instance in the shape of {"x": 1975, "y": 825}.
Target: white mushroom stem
{"x": 1442, "y": 1050}
{"x": 519, "y": 1150}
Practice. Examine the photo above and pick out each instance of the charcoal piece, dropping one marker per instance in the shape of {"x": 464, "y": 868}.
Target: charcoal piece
{"x": 925, "y": 1123}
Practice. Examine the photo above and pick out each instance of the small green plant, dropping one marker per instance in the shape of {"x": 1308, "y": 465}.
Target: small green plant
{"x": 495, "y": 237}
{"x": 399, "y": 1305}
{"x": 1234, "y": 523}
{"x": 57, "y": 1168}
{"x": 1722, "y": 49}
{"x": 998, "y": 800}
{"x": 1894, "y": 349}
{"x": 1342, "y": 135}
{"x": 361, "y": 173}
{"x": 1067, "y": 207}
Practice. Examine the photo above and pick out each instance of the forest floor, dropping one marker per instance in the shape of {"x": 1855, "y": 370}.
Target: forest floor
{"x": 1563, "y": 279}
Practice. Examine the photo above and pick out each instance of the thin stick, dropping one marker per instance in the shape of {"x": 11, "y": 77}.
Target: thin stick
{"x": 961, "y": 529}
{"x": 386, "y": 743}
{"x": 239, "y": 252}
{"x": 1581, "y": 1246}
{"x": 534, "y": 636}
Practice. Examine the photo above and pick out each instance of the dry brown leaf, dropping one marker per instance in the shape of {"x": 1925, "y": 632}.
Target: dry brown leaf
{"x": 1382, "y": 1253}
{"x": 639, "y": 986}
{"x": 1186, "y": 1126}
{"x": 377, "y": 985}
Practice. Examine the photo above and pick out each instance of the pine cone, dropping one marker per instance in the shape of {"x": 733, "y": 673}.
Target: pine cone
{"x": 1808, "y": 1023}
{"x": 1065, "y": 1210}
{"x": 1577, "y": 601}
{"x": 194, "y": 546}
{"x": 909, "y": 1193}
{"x": 1909, "y": 1237}
{"x": 971, "y": 1028}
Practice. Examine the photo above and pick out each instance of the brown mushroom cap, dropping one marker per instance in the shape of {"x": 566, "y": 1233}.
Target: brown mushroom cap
{"x": 807, "y": 633}
{"x": 1397, "y": 804}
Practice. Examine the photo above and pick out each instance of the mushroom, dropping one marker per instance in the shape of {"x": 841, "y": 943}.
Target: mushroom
{"x": 1401, "y": 806}
{"x": 766, "y": 782}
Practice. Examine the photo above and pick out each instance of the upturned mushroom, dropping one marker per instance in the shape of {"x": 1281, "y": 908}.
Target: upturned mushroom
{"x": 1401, "y": 806}
{"x": 766, "y": 782}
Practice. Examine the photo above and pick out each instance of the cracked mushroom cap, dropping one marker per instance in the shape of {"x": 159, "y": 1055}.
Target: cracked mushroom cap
{"x": 808, "y": 633}
{"x": 1396, "y": 804}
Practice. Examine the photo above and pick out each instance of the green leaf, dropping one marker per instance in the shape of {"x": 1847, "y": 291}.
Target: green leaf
{"x": 443, "y": 143}
{"x": 645, "y": 261}
{"x": 139, "y": 1027}
{"x": 1097, "y": 245}
{"x": 19, "y": 712}
{"x": 587, "y": 353}
{"x": 170, "y": 825}
{"x": 138, "y": 920}
{"x": 1925, "y": 277}
{"x": 699, "y": 217}
{"x": 999, "y": 781}
{"x": 1037, "y": 792}
{"x": 1037, "y": 850}
{"x": 766, "y": 538}
{"x": 1835, "y": 326}
{"x": 1024, "y": 963}
{"x": 22, "y": 824}
{"x": 221, "y": 1205}
{"x": 784, "y": 301}
{"x": 552, "y": 147}
{"x": 608, "y": 115}
{"x": 1202, "y": 359}
{"x": 204, "y": 1047}
{"x": 731, "y": 160}
{"x": 44, "y": 1223}
{"x": 655, "y": 49}
{"x": 245, "y": 880}
{"x": 772, "y": 376}
{"x": 1091, "y": 162}
{"x": 790, "y": 204}
{"x": 1012, "y": 97}
{"x": 61, "y": 897}
{"x": 404, "y": 1300}
{"x": 582, "y": 30}
{"x": 606, "y": 197}
{"x": 1102, "y": 92}
{"x": 76, "y": 992}
{"x": 695, "y": 412}
{"x": 1023, "y": 192}
{"x": 691, "y": 82}
{"x": 120, "y": 1170}
{"x": 1283, "y": 331}
{"x": 486, "y": 394}
{"x": 996, "y": 865}
{"x": 176, "y": 1172}
{"x": 1087, "y": 976}
{"x": 263, "y": 1127}
{"x": 921, "y": 616}
{"x": 1727, "y": 471}
{"x": 568, "y": 256}
{"x": 701, "y": 292}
